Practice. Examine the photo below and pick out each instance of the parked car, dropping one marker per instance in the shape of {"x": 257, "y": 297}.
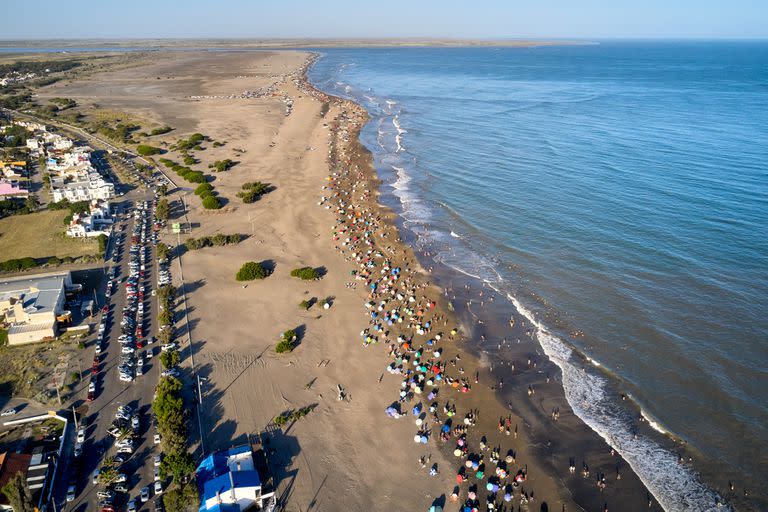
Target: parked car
{"x": 144, "y": 496}
{"x": 81, "y": 435}
{"x": 158, "y": 487}
{"x": 158, "y": 460}
{"x": 9, "y": 412}
{"x": 71, "y": 491}
{"x": 132, "y": 505}
{"x": 156, "y": 439}
{"x": 95, "y": 476}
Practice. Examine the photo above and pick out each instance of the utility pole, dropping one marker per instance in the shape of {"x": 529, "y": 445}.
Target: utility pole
{"x": 74, "y": 413}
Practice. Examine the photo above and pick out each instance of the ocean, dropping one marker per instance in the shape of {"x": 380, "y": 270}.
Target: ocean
{"x": 617, "y": 195}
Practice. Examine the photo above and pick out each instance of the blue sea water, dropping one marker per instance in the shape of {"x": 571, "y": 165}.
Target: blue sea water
{"x": 617, "y": 190}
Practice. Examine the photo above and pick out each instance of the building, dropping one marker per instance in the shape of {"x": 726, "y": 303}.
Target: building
{"x": 229, "y": 481}
{"x": 32, "y": 305}
{"x": 95, "y": 224}
{"x": 11, "y": 189}
{"x": 23, "y": 449}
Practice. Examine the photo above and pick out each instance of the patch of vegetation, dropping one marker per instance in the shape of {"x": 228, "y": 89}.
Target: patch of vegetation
{"x": 204, "y": 188}
{"x": 211, "y": 203}
{"x": 252, "y": 270}
{"x": 38, "y": 66}
{"x": 287, "y": 342}
{"x": 18, "y": 494}
{"x": 293, "y": 415}
{"x": 183, "y": 498}
{"x": 222, "y": 165}
{"x": 15, "y": 101}
{"x": 161, "y": 131}
{"x": 306, "y": 273}
{"x": 191, "y": 142}
{"x": 163, "y": 251}
{"x": 146, "y": 150}
{"x": 170, "y": 359}
{"x": 306, "y": 304}
{"x": 252, "y": 191}
{"x": 163, "y": 209}
{"x": 218, "y": 240}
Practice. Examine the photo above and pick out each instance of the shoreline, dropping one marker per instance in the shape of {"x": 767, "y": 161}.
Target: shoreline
{"x": 579, "y": 493}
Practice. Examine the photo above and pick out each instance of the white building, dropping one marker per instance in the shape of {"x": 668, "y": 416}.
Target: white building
{"x": 95, "y": 224}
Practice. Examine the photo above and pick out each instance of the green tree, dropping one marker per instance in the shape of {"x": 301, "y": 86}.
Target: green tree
{"x": 107, "y": 475}
{"x": 250, "y": 271}
{"x": 162, "y": 189}
{"x": 18, "y": 493}
{"x": 211, "y": 203}
{"x": 170, "y": 358}
{"x": 179, "y": 465}
{"x": 203, "y": 187}
{"x": 163, "y": 251}
{"x": 183, "y": 498}
{"x": 163, "y": 210}
{"x": 252, "y": 191}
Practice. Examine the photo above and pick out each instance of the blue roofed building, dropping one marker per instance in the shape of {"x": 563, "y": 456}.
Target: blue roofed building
{"x": 230, "y": 481}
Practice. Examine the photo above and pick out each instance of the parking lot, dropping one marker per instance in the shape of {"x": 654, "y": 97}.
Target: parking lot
{"x": 117, "y": 436}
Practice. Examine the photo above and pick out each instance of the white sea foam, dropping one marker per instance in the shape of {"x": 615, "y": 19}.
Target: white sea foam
{"x": 400, "y": 132}
{"x": 676, "y": 487}
{"x": 454, "y": 235}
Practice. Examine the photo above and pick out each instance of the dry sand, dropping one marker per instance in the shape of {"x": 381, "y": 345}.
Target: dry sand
{"x": 345, "y": 454}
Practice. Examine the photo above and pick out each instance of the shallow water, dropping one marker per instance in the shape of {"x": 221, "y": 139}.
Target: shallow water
{"x": 616, "y": 193}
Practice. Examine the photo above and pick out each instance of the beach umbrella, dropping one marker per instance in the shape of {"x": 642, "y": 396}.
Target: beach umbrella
{"x": 471, "y": 495}
{"x": 468, "y": 464}
{"x": 417, "y": 438}
{"x": 457, "y": 452}
{"x": 479, "y": 475}
{"x": 489, "y": 486}
{"x": 419, "y": 421}
{"x": 424, "y": 439}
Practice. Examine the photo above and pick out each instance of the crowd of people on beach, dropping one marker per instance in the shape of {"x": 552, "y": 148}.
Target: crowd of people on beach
{"x": 407, "y": 322}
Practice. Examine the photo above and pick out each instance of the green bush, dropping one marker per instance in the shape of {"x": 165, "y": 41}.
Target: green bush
{"x": 145, "y": 150}
{"x": 160, "y": 131}
{"x": 222, "y": 165}
{"x": 305, "y": 304}
{"x": 250, "y": 271}
{"x": 287, "y": 341}
{"x": 189, "y": 160}
{"x": 170, "y": 359}
{"x": 195, "y": 177}
{"x": 305, "y": 273}
{"x": 211, "y": 203}
{"x": 252, "y": 191}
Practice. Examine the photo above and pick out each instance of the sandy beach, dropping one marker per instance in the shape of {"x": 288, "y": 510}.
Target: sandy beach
{"x": 348, "y": 453}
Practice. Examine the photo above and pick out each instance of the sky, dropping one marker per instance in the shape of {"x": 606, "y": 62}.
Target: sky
{"x": 454, "y": 19}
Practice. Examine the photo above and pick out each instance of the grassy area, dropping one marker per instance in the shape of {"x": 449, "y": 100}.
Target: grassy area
{"x": 40, "y": 235}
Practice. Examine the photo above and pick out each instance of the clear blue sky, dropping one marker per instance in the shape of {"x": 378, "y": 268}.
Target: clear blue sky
{"x": 490, "y": 19}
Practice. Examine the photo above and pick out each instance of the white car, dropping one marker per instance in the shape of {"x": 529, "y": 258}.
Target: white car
{"x": 144, "y": 494}
{"x": 135, "y": 423}
{"x": 169, "y": 346}
{"x": 158, "y": 459}
{"x": 98, "y": 348}
{"x": 95, "y": 476}
{"x": 126, "y": 378}
{"x": 158, "y": 487}
{"x": 127, "y": 350}
{"x": 120, "y": 478}
{"x": 125, "y": 449}
{"x": 91, "y": 387}
{"x": 170, "y": 372}
{"x": 157, "y": 439}
{"x": 157, "y": 474}
{"x": 71, "y": 493}
{"x": 81, "y": 435}
{"x": 9, "y": 412}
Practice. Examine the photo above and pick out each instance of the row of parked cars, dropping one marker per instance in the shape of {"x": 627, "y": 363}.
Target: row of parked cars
{"x": 133, "y": 336}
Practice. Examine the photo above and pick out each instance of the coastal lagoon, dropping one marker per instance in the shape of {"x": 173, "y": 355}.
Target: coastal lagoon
{"x": 617, "y": 195}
